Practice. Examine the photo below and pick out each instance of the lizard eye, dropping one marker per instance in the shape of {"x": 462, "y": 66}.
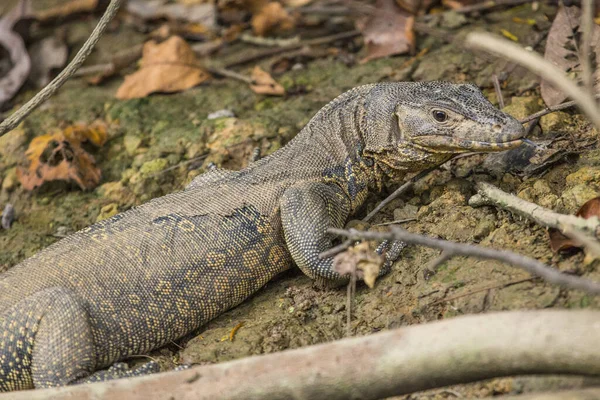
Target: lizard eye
{"x": 440, "y": 115}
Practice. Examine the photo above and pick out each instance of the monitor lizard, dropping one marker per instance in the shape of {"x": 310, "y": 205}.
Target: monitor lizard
{"x": 150, "y": 275}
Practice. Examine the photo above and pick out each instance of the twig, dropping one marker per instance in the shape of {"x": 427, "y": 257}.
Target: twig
{"x": 530, "y": 265}
{"x": 405, "y": 187}
{"x": 269, "y": 42}
{"x": 397, "y": 222}
{"x": 539, "y": 66}
{"x": 488, "y": 194}
{"x": 484, "y": 289}
{"x": 498, "y": 91}
{"x": 278, "y": 50}
{"x": 587, "y": 23}
{"x": 489, "y": 5}
{"x": 230, "y": 74}
{"x": 350, "y": 294}
{"x": 385, "y": 364}
{"x": 548, "y": 110}
{"x": 43, "y": 95}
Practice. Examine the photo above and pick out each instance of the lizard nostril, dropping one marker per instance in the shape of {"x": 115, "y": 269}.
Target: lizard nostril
{"x": 496, "y": 128}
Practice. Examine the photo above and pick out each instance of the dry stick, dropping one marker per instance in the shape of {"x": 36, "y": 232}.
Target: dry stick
{"x": 587, "y": 23}
{"x": 401, "y": 361}
{"x": 453, "y": 249}
{"x": 498, "y": 90}
{"x": 488, "y": 194}
{"x": 539, "y": 66}
{"x": 278, "y": 50}
{"x": 43, "y": 95}
{"x": 549, "y": 110}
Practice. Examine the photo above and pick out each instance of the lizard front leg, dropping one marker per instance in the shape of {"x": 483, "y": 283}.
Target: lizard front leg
{"x": 308, "y": 209}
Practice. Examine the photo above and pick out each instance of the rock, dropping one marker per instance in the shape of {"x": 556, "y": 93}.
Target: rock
{"x": 574, "y": 197}
{"x": 555, "y": 121}
{"x": 154, "y": 166}
{"x": 583, "y": 175}
{"x": 131, "y": 143}
{"x": 108, "y": 211}
{"x": 521, "y": 107}
{"x": 221, "y": 114}
{"x": 406, "y": 212}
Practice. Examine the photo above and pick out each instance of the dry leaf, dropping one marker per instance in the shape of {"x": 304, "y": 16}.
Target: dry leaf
{"x": 263, "y": 83}
{"x": 359, "y": 260}
{"x": 560, "y": 242}
{"x": 388, "y": 31}
{"x": 13, "y": 79}
{"x": 170, "y": 66}
{"x": 271, "y": 17}
{"x": 60, "y": 156}
{"x": 562, "y": 50}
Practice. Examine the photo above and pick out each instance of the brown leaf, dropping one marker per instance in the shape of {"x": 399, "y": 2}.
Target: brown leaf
{"x": 388, "y": 31}
{"x": 271, "y": 17}
{"x": 359, "y": 260}
{"x": 562, "y": 50}
{"x": 170, "y": 66}
{"x": 560, "y": 242}
{"x": 12, "y": 80}
{"x": 263, "y": 83}
{"x": 60, "y": 156}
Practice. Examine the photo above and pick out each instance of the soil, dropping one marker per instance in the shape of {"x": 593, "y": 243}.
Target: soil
{"x": 156, "y": 145}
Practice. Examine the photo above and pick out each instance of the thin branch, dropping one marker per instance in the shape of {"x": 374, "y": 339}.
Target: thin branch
{"x": 385, "y": 364}
{"x": 530, "y": 265}
{"x": 43, "y": 95}
{"x": 549, "y": 110}
{"x": 539, "y": 66}
{"x": 498, "y": 90}
{"x": 488, "y": 194}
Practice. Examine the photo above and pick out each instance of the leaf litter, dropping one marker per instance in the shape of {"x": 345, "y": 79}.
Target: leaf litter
{"x": 59, "y": 155}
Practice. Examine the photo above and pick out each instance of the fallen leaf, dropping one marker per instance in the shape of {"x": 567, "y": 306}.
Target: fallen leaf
{"x": 562, "y": 50}
{"x": 263, "y": 83}
{"x": 170, "y": 66}
{"x": 271, "y": 17}
{"x": 13, "y": 79}
{"x": 388, "y": 31}
{"x": 359, "y": 260}
{"x": 560, "y": 242}
{"x": 60, "y": 156}
{"x": 47, "y": 56}
{"x": 509, "y": 35}
{"x": 204, "y": 14}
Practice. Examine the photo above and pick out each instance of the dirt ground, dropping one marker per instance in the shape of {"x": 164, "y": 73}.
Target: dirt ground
{"x": 152, "y": 140}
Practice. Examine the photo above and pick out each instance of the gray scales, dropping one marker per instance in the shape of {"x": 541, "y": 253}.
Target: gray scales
{"x": 157, "y": 272}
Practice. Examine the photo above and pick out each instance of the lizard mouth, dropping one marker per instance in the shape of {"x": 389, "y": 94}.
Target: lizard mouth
{"x": 449, "y": 144}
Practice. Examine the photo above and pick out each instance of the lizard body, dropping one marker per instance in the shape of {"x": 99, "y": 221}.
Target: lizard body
{"x": 150, "y": 275}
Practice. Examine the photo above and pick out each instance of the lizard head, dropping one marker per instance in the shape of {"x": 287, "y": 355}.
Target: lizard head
{"x": 442, "y": 117}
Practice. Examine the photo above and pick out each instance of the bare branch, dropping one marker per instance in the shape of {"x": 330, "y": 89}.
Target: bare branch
{"x": 587, "y": 26}
{"x": 385, "y": 364}
{"x": 549, "y": 110}
{"x": 488, "y": 194}
{"x": 539, "y": 66}
{"x": 43, "y": 95}
{"x": 530, "y": 265}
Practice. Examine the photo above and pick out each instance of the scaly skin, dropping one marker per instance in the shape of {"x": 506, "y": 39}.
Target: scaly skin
{"x": 150, "y": 275}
